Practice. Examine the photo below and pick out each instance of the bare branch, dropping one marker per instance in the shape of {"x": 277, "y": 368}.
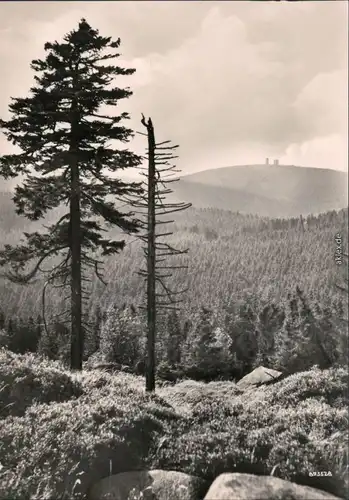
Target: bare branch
{"x": 98, "y": 274}
{"x": 16, "y": 278}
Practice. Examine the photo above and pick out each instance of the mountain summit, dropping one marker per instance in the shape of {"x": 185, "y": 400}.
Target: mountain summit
{"x": 269, "y": 190}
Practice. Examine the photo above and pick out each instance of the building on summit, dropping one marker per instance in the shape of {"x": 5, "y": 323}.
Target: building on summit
{"x": 276, "y": 162}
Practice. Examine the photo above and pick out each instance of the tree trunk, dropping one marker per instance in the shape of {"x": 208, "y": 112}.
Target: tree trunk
{"x": 151, "y": 283}
{"x": 77, "y": 340}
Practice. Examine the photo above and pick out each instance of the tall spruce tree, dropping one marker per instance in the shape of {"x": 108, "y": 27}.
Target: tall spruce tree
{"x": 64, "y": 137}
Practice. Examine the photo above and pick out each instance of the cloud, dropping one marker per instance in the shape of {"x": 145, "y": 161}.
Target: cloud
{"x": 326, "y": 152}
{"x": 231, "y": 82}
{"x": 219, "y": 94}
{"x": 216, "y": 85}
{"x": 319, "y": 106}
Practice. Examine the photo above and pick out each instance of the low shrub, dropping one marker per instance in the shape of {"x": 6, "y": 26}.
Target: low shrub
{"x": 27, "y": 379}
{"x": 52, "y": 447}
{"x": 331, "y": 385}
{"x": 63, "y": 431}
{"x": 167, "y": 372}
{"x": 264, "y": 430}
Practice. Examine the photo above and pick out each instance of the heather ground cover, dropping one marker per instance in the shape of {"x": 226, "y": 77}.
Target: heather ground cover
{"x": 72, "y": 429}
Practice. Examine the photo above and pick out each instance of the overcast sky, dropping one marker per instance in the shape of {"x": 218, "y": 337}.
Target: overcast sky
{"x": 230, "y": 82}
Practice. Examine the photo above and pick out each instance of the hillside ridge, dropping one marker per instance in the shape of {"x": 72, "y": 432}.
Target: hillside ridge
{"x": 270, "y": 166}
{"x": 267, "y": 190}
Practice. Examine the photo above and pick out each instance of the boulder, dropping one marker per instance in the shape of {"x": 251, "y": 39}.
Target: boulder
{"x": 154, "y": 485}
{"x": 260, "y": 375}
{"x": 250, "y": 487}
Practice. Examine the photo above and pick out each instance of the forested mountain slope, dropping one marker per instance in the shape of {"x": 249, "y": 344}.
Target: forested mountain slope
{"x": 231, "y": 256}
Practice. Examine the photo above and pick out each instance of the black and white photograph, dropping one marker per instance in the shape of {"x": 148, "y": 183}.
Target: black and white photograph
{"x": 174, "y": 250}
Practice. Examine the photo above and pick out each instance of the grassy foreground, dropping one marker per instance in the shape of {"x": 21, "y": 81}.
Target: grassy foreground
{"x": 60, "y": 431}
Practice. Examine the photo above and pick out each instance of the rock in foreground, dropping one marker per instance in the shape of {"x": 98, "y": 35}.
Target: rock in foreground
{"x": 260, "y": 375}
{"x": 153, "y": 485}
{"x": 250, "y": 487}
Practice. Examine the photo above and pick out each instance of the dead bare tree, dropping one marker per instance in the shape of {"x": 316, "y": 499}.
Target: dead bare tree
{"x": 159, "y": 297}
